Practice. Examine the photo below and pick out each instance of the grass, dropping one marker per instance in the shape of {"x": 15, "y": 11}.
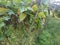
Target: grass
{"x": 51, "y": 34}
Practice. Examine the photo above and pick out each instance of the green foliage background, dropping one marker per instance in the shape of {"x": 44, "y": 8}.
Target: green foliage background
{"x": 23, "y": 24}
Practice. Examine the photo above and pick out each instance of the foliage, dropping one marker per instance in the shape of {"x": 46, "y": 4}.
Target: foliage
{"x": 35, "y": 7}
{"x": 50, "y": 35}
{"x": 57, "y": 13}
{"x": 19, "y": 22}
{"x": 41, "y": 15}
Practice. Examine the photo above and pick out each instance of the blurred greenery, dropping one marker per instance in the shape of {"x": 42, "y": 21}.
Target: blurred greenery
{"x": 51, "y": 34}
{"x": 25, "y": 23}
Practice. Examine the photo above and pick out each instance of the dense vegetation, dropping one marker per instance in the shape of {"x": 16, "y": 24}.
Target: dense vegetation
{"x": 27, "y": 22}
{"x": 20, "y": 24}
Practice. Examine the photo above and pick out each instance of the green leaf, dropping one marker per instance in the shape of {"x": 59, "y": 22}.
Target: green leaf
{"x": 23, "y": 8}
{"x": 2, "y": 10}
{"x": 22, "y": 16}
{"x": 29, "y": 8}
{"x": 1, "y": 36}
{"x": 27, "y": 1}
{"x": 1, "y": 20}
{"x": 8, "y": 32}
{"x": 10, "y": 12}
{"x": 6, "y": 18}
{"x": 1, "y": 25}
{"x": 18, "y": 1}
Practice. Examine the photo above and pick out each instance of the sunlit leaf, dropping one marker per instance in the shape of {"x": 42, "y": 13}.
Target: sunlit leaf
{"x": 3, "y": 10}
{"x": 18, "y": 1}
{"x": 22, "y": 16}
{"x": 41, "y": 15}
{"x": 37, "y": 20}
{"x": 35, "y": 7}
